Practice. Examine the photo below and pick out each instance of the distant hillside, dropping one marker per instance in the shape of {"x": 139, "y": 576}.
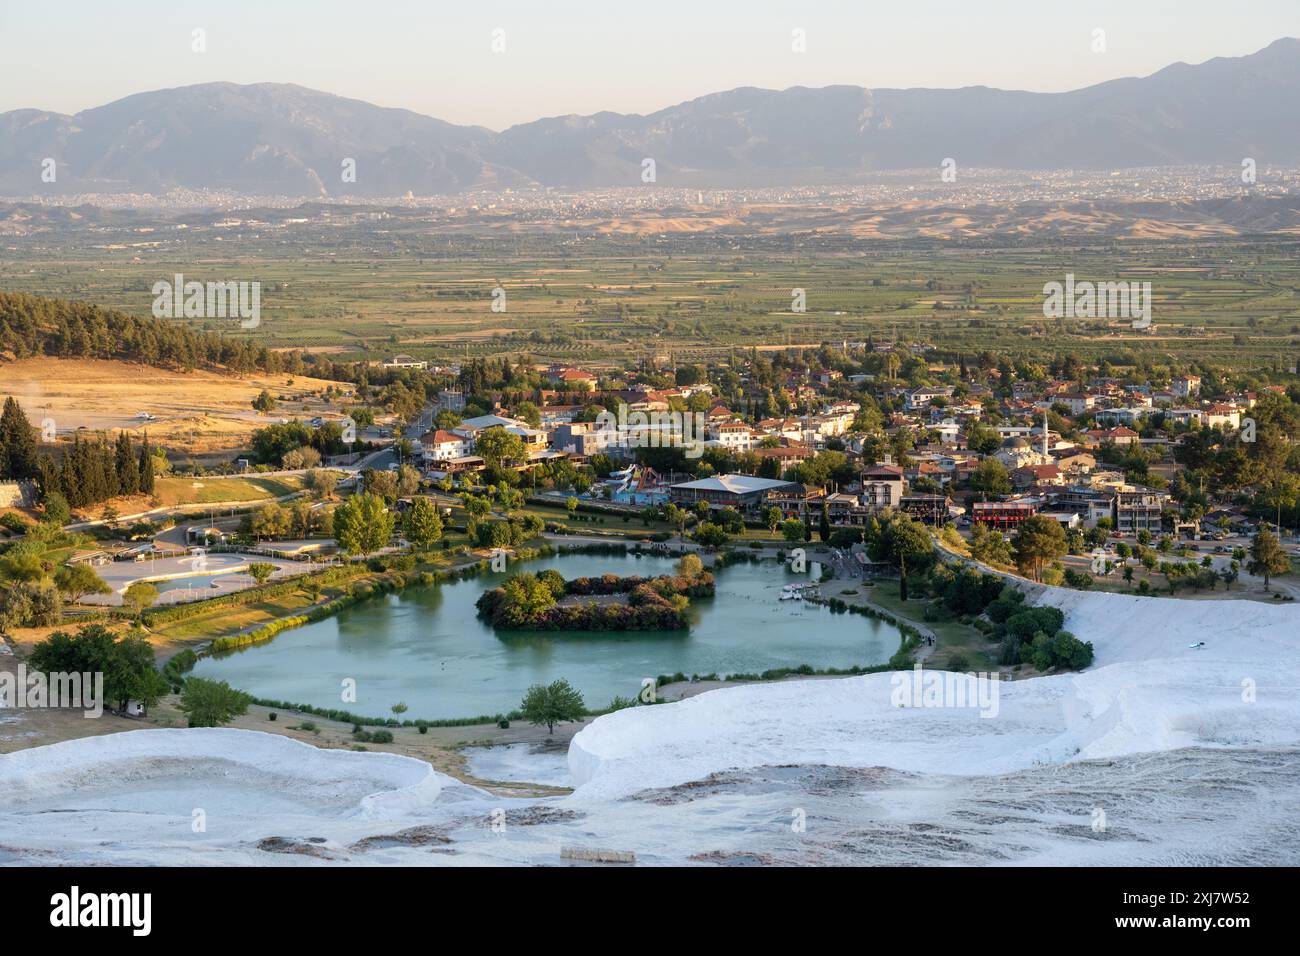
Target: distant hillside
{"x": 286, "y": 140}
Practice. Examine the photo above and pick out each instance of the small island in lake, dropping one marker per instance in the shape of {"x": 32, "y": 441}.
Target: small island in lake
{"x": 547, "y": 602}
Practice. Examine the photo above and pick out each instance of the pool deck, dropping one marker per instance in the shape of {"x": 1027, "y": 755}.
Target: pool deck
{"x": 227, "y": 568}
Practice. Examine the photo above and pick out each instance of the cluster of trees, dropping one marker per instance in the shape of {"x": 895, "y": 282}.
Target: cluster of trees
{"x": 482, "y": 374}
{"x": 991, "y": 479}
{"x": 391, "y": 485}
{"x": 321, "y": 482}
{"x": 363, "y": 524}
{"x": 965, "y": 590}
{"x": 125, "y": 660}
{"x": 86, "y": 473}
{"x": 1271, "y": 462}
{"x": 501, "y": 451}
{"x": 712, "y": 527}
{"x": 899, "y": 539}
{"x": 33, "y": 326}
{"x": 1034, "y": 635}
{"x": 509, "y": 533}
{"x": 32, "y": 588}
{"x": 530, "y": 601}
{"x": 1038, "y": 541}
{"x": 991, "y": 547}
{"x": 29, "y": 602}
{"x": 93, "y": 471}
{"x": 422, "y": 524}
{"x": 297, "y": 520}
{"x": 274, "y": 444}
{"x": 562, "y": 474}
{"x": 794, "y": 530}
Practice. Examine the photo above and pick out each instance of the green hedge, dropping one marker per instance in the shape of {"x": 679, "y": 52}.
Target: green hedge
{"x": 181, "y": 612}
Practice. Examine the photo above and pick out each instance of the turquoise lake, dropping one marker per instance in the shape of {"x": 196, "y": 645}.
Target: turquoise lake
{"x": 427, "y": 648}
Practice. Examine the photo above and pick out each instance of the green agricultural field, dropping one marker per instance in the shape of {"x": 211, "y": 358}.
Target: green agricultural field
{"x": 1227, "y": 301}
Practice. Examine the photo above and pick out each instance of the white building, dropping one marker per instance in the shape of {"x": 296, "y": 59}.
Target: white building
{"x": 734, "y": 436}
{"x": 442, "y": 445}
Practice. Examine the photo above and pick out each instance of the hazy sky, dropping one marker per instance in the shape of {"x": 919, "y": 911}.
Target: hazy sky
{"x": 582, "y": 56}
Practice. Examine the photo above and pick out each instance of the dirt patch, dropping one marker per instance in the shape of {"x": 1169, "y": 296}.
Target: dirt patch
{"x": 410, "y": 837}
{"x": 288, "y": 845}
{"x": 532, "y": 816}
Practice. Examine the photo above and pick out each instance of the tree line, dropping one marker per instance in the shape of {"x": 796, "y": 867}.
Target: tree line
{"x": 33, "y": 326}
{"x": 88, "y": 471}
{"x": 91, "y": 471}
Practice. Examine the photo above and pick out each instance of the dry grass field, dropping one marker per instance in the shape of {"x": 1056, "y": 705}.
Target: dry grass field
{"x": 196, "y": 414}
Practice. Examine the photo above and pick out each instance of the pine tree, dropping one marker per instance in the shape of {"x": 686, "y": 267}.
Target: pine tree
{"x": 48, "y": 470}
{"x": 128, "y": 473}
{"x": 69, "y": 478}
{"x": 107, "y": 468}
{"x": 146, "y": 467}
{"x": 1267, "y": 557}
{"x": 17, "y": 443}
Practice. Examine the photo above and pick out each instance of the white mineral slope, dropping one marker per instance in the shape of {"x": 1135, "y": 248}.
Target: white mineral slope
{"x": 146, "y": 770}
{"x": 1147, "y": 691}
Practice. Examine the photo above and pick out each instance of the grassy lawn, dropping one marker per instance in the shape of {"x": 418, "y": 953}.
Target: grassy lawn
{"x": 953, "y": 635}
{"x": 182, "y": 491}
{"x": 220, "y": 622}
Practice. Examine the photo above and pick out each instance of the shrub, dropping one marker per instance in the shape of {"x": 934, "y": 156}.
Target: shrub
{"x": 1023, "y": 625}
{"x": 1062, "y": 649}
{"x": 209, "y": 703}
{"x": 1078, "y": 579}
{"x": 1008, "y": 602}
{"x": 13, "y": 522}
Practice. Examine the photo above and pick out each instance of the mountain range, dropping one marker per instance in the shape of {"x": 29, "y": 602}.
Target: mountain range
{"x": 281, "y": 139}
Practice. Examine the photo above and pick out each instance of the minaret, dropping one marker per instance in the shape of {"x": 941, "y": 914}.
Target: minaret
{"x": 1046, "y": 456}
